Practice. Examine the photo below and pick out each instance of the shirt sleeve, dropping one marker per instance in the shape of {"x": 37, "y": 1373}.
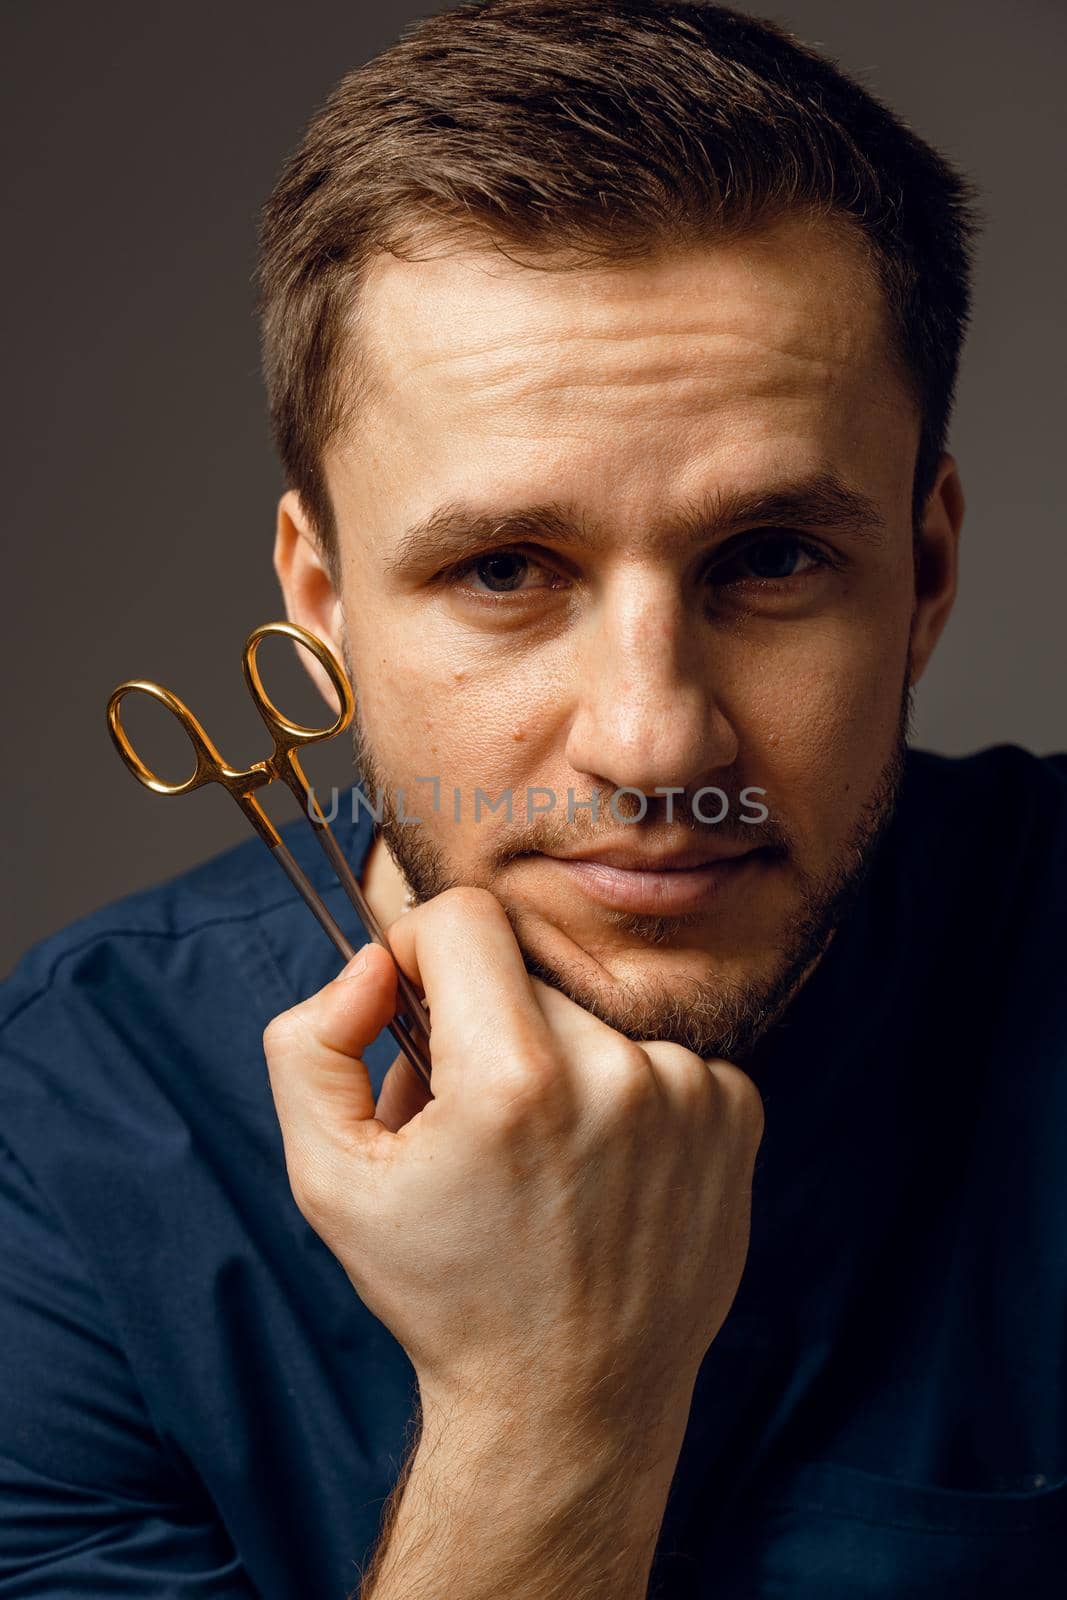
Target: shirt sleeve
{"x": 91, "y": 1501}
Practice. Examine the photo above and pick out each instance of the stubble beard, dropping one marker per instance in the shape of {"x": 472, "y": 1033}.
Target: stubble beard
{"x": 715, "y": 1018}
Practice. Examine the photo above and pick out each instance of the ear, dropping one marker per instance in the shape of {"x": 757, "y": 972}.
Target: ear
{"x": 936, "y": 564}
{"x": 311, "y": 598}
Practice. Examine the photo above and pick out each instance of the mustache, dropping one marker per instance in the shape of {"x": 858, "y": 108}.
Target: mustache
{"x": 551, "y": 835}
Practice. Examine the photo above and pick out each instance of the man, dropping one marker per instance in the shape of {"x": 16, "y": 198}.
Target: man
{"x": 611, "y": 349}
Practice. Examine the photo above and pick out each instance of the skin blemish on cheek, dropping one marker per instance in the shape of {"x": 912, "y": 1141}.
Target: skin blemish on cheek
{"x": 518, "y": 737}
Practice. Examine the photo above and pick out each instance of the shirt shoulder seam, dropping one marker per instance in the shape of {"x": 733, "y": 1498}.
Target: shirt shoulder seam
{"x": 135, "y": 933}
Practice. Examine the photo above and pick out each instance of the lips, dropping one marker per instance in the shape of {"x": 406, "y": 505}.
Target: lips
{"x": 669, "y": 886}
{"x": 632, "y": 860}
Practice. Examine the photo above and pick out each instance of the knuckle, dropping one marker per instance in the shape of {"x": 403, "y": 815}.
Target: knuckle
{"x": 625, "y": 1056}
{"x": 742, "y": 1098}
{"x": 686, "y": 1074}
{"x": 631, "y": 1079}
{"x": 521, "y": 1090}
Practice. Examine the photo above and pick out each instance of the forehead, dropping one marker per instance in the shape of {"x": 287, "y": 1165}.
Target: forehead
{"x": 781, "y": 335}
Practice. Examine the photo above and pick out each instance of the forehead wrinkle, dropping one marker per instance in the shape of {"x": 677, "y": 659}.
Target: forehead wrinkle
{"x": 550, "y": 361}
{"x": 726, "y": 354}
{"x": 558, "y": 392}
{"x": 542, "y": 340}
{"x": 827, "y": 267}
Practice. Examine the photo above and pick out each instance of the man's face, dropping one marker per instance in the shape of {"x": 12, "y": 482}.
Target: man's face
{"x": 640, "y": 527}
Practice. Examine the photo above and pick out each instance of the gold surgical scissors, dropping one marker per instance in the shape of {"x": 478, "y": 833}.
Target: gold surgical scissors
{"x": 410, "y": 1026}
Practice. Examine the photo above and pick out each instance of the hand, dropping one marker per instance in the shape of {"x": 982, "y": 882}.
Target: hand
{"x": 558, "y": 1234}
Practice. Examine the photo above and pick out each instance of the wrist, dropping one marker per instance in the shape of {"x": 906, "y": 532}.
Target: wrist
{"x": 540, "y": 1424}
{"x": 486, "y": 1513}
{"x": 545, "y": 1466}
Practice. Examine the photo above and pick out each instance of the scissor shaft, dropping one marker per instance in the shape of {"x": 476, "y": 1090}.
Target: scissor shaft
{"x": 314, "y": 902}
{"x": 412, "y": 999}
{"x": 413, "y": 1047}
{"x": 292, "y": 773}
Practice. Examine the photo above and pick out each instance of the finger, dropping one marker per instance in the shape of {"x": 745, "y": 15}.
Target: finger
{"x": 743, "y": 1096}
{"x": 585, "y": 1038}
{"x": 602, "y": 1058}
{"x": 321, "y": 1089}
{"x": 459, "y": 946}
{"x": 403, "y": 1095}
{"x": 716, "y": 1086}
{"x": 683, "y": 1077}
{"x": 560, "y": 1010}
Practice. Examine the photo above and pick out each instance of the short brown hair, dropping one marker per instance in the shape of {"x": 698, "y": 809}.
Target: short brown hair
{"x": 609, "y": 129}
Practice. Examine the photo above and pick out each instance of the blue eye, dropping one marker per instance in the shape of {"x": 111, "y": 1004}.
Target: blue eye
{"x": 502, "y": 571}
{"x": 774, "y": 558}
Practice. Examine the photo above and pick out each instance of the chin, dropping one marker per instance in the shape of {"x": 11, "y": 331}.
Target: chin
{"x": 682, "y": 997}
{"x": 708, "y": 982}
{"x": 654, "y": 954}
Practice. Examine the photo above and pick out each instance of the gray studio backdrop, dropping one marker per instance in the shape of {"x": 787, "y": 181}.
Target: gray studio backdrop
{"x": 139, "y": 493}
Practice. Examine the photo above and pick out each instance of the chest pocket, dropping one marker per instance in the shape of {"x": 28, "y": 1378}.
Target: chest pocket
{"x": 829, "y": 1532}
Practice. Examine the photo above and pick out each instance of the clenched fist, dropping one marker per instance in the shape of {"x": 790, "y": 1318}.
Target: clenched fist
{"x": 555, "y": 1237}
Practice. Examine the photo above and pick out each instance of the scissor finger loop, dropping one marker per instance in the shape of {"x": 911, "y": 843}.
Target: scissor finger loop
{"x": 210, "y": 767}
{"x": 288, "y": 734}
{"x": 410, "y": 1027}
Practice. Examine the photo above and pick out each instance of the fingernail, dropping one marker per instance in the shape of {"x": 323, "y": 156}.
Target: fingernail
{"x": 357, "y": 965}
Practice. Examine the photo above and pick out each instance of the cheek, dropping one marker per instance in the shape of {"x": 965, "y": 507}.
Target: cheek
{"x": 470, "y": 718}
{"x": 820, "y": 725}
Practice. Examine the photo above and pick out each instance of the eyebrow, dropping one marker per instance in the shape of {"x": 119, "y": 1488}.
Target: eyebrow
{"x": 454, "y": 530}
{"x": 823, "y": 501}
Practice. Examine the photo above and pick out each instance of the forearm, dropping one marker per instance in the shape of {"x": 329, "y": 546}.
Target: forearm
{"x": 488, "y": 1512}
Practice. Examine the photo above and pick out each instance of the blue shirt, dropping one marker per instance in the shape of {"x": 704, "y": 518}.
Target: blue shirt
{"x": 195, "y": 1402}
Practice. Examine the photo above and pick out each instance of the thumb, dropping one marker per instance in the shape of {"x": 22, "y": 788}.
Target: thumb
{"x": 321, "y": 1089}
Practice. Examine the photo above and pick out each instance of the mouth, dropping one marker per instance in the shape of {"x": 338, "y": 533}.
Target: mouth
{"x": 659, "y": 887}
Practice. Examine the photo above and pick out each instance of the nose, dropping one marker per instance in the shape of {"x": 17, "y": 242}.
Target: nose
{"x": 646, "y": 712}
